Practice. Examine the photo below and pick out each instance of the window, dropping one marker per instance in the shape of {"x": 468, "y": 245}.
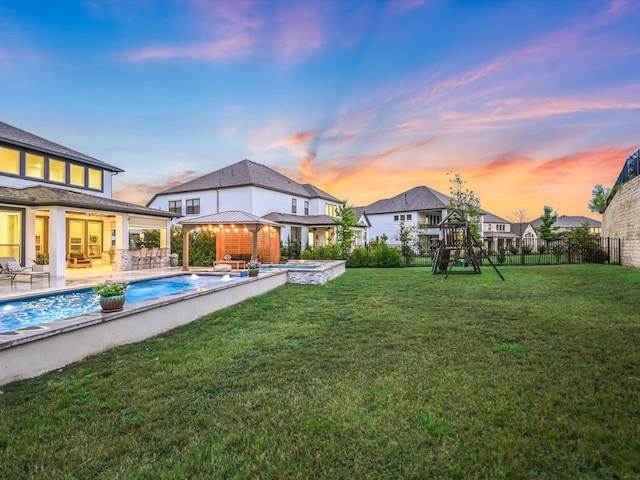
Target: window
{"x": 9, "y": 161}
{"x": 175, "y": 206}
{"x": 76, "y": 175}
{"x": 306, "y": 207}
{"x": 402, "y": 218}
{"x": 34, "y": 166}
{"x": 330, "y": 210}
{"x": 408, "y": 216}
{"x": 294, "y": 205}
{"x": 500, "y": 227}
{"x": 193, "y": 206}
{"x": 396, "y": 218}
{"x": 10, "y": 233}
{"x": 95, "y": 179}
{"x": 57, "y": 171}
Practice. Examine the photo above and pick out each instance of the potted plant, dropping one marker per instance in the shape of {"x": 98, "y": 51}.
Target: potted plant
{"x": 254, "y": 267}
{"x": 41, "y": 263}
{"x": 112, "y": 295}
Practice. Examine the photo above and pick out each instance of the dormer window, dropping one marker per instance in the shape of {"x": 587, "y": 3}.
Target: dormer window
{"x": 9, "y": 161}
{"x": 34, "y": 166}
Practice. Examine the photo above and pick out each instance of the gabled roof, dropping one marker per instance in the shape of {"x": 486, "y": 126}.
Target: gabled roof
{"x": 315, "y": 192}
{"x": 418, "y": 198}
{"x": 42, "y": 196}
{"x": 22, "y": 138}
{"x": 569, "y": 221}
{"x": 491, "y": 218}
{"x": 248, "y": 173}
{"x": 235, "y": 217}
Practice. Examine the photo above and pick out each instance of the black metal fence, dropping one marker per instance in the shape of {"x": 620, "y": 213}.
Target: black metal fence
{"x": 540, "y": 252}
{"x": 630, "y": 169}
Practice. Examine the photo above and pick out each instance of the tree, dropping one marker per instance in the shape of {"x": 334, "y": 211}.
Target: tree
{"x": 546, "y": 230}
{"x": 345, "y": 221}
{"x": 465, "y": 202}
{"x": 405, "y": 237}
{"x": 599, "y": 196}
{"x": 521, "y": 217}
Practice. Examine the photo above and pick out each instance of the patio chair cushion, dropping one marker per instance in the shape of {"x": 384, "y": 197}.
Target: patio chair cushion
{"x": 14, "y": 266}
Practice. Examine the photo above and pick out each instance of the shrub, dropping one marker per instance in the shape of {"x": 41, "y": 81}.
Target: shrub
{"x": 358, "y": 258}
{"x": 385, "y": 256}
{"x": 513, "y": 250}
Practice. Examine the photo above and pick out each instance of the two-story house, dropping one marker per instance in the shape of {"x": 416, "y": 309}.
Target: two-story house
{"x": 55, "y": 201}
{"x": 496, "y": 233}
{"x": 236, "y": 194}
{"x": 420, "y": 207}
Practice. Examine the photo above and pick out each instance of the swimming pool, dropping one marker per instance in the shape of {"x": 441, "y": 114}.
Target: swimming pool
{"x": 30, "y": 312}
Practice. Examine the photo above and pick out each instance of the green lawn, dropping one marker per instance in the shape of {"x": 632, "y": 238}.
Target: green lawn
{"x": 383, "y": 373}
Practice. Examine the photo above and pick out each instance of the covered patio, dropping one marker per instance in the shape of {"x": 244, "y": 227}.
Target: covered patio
{"x": 240, "y": 235}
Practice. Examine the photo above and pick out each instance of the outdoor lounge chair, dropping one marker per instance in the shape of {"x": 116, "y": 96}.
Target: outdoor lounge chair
{"x": 78, "y": 260}
{"x": 10, "y": 267}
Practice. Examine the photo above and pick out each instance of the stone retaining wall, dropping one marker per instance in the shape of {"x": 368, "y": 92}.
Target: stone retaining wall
{"x": 622, "y": 220}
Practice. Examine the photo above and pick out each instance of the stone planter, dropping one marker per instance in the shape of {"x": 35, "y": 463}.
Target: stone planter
{"x": 114, "y": 303}
{"x": 253, "y": 272}
{"x": 41, "y": 268}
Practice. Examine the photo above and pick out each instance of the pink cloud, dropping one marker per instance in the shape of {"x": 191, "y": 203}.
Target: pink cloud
{"x": 234, "y": 47}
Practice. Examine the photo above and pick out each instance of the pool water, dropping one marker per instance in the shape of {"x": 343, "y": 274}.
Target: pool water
{"x": 30, "y": 312}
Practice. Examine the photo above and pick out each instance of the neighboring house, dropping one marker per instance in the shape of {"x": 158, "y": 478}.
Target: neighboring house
{"x": 56, "y": 201}
{"x": 566, "y": 223}
{"x": 497, "y": 233}
{"x": 305, "y": 213}
{"x": 420, "y": 207}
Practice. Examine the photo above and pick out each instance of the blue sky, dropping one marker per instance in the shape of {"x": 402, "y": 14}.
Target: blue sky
{"x": 533, "y": 102}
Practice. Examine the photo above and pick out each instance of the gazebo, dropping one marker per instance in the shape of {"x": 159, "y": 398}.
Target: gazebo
{"x": 237, "y": 233}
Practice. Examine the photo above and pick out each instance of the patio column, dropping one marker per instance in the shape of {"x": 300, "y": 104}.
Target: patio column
{"x": 57, "y": 241}
{"x": 185, "y": 247}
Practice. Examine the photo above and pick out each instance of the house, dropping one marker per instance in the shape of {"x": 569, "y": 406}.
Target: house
{"x": 305, "y": 215}
{"x": 497, "y": 233}
{"x": 420, "y": 207}
{"x": 56, "y": 201}
{"x": 566, "y": 223}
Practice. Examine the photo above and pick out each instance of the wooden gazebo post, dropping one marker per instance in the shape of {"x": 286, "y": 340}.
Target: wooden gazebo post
{"x": 185, "y": 247}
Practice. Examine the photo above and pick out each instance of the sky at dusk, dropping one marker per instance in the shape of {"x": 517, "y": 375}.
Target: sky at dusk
{"x": 533, "y": 102}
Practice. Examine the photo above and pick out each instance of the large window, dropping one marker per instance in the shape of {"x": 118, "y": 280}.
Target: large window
{"x": 193, "y": 206}
{"x": 76, "y": 174}
{"x": 42, "y": 235}
{"x": 294, "y": 205}
{"x": 10, "y": 233}
{"x": 9, "y": 161}
{"x": 95, "y": 179}
{"x": 175, "y": 206}
{"x": 330, "y": 209}
{"x": 57, "y": 171}
{"x": 54, "y": 170}
{"x": 85, "y": 237}
{"x": 34, "y": 166}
